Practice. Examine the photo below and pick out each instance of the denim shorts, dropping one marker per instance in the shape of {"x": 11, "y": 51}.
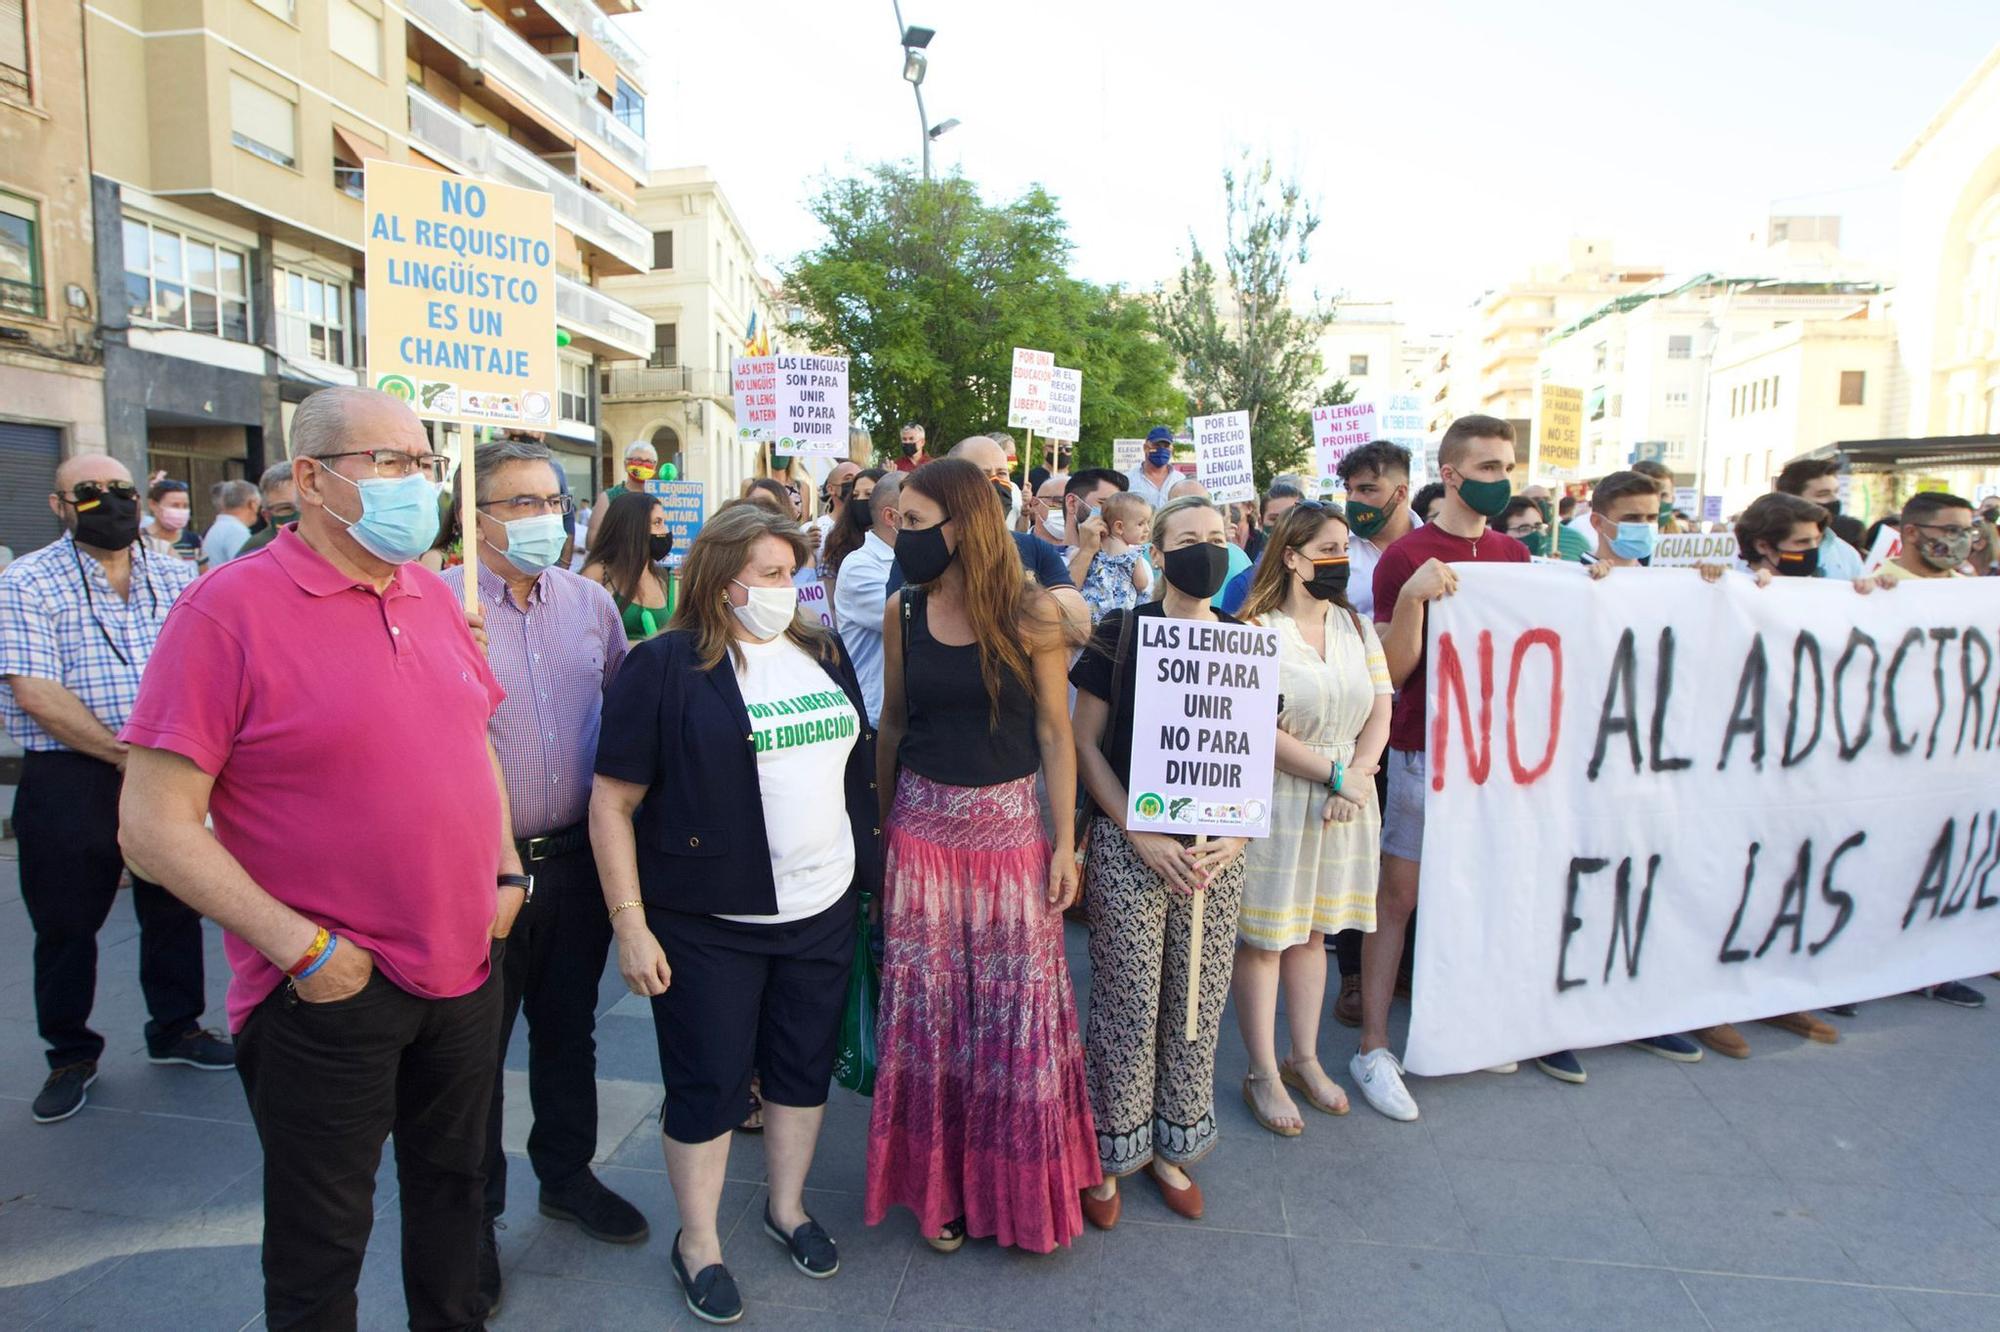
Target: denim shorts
{"x": 1403, "y": 812}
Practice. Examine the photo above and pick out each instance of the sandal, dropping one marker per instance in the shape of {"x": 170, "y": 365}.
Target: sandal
{"x": 1271, "y": 1124}
{"x": 754, "y": 1121}
{"x": 1289, "y": 1075}
{"x": 949, "y": 1240}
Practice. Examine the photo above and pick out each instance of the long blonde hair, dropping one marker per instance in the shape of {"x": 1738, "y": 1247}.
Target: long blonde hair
{"x": 719, "y": 552}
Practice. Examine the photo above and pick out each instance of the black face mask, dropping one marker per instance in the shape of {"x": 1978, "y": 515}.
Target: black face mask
{"x": 922, "y": 554}
{"x": 1329, "y": 579}
{"x": 1796, "y": 563}
{"x": 1198, "y": 571}
{"x": 910, "y": 448}
{"x": 1832, "y": 508}
{"x": 659, "y": 546}
{"x": 1006, "y": 494}
{"x": 109, "y": 522}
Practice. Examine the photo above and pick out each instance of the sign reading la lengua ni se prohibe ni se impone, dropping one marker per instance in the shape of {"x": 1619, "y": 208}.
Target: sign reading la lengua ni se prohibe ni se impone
{"x": 461, "y": 296}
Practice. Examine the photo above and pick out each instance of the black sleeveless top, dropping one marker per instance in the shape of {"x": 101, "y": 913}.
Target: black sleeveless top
{"x": 952, "y": 736}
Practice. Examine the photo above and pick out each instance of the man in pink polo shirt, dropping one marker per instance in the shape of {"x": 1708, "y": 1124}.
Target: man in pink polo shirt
{"x": 324, "y": 703}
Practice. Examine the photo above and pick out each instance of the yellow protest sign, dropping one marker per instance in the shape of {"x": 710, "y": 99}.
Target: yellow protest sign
{"x": 461, "y": 296}
{"x": 1559, "y": 429}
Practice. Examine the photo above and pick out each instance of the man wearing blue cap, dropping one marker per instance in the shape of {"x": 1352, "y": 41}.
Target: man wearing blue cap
{"x": 1156, "y": 476}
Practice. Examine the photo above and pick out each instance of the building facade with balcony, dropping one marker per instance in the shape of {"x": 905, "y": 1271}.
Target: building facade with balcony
{"x": 699, "y": 299}
{"x": 228, "y": 149}
{"x": 51, "y": 382}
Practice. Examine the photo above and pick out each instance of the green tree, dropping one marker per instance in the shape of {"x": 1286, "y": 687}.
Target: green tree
{"x": 1242, "y": 341}
{"x": 928, "y": 289}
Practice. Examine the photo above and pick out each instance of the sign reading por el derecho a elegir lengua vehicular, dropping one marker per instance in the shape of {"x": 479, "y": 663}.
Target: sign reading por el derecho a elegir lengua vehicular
{"x": 1204, "y": 728}
{"x": 1657, "y": 804}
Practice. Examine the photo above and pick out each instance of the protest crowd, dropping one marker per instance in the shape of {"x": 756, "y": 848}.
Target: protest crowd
{"x": 827, "y": 847}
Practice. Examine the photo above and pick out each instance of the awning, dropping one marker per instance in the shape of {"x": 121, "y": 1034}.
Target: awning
{"x": 1922, "y": 450}
{"x": 358, "y": 149}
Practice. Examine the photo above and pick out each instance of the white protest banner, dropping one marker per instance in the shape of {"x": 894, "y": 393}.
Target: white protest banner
{"x": 1656, "y": 804}
{"x": 1064, "y": 420}
{"x": 812, "y": 596}
{"x": 1685, "y": 499}
{"x": 1888, "y": 545}
{"x": 812, "y": 405}
{"x": 1204, "y": 728}
{"x": 1399, "y": 418}
{"x": 1127, "y": 455}
{"x": 1222, "y": 456}
{"x": 1338, "y": 430}
{"x": 753, "y": 383}
{"x": 1684, "y": 550}
{"x": 1028, "y": 389}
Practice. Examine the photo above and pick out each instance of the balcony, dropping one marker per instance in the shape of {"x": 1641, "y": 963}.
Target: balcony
{"x": 585, "y": 18}
{"x": 478, "y": 151}
{"x": 646, "y": 379}
{"x": 596, "y": 323}
{"x": 489, "y": 46}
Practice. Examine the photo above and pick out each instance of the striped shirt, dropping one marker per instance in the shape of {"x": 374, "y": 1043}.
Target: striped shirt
{"x": 60, "y": 620}
{"x": 554, "y": 657}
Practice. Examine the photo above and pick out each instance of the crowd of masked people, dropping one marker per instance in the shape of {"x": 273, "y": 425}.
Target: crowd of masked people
{"x": 417, "y": 824}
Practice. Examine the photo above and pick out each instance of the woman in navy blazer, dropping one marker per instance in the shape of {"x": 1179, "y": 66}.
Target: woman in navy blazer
{"x": 732, "y": 874}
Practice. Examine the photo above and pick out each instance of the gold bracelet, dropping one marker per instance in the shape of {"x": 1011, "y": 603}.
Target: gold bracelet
{"x": 624, "y": 906}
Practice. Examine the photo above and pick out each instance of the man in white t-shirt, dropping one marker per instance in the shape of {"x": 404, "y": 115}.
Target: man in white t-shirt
{"x": 1377, "y": 479}
{"x": 1156, "y": 474}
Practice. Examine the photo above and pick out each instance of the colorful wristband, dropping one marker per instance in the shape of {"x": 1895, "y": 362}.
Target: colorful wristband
{"x": 321, "y": 942}
{"x": 332, "y": 942}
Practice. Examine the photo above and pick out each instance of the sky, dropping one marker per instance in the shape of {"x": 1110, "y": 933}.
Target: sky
{"x": 1450, "y": 144}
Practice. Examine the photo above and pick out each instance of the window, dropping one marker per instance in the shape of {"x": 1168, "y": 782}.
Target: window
{"x": 666, "y": 346}
{"x": 1735, "y": 400}
{"x": 1853, "y": 387}
{"x": 356, "y": 35}
{"x": 1677, "y": 397}
{"x": 1680, "y": 346}
{"x": 1602, "y": 351}
{"x": 348, "y": 174}
{"x": 261, "y": 122}
{"x": 14, "y": 49}
{"x": 1357, "y": 366}
{"x": 663, "y": 249}
{"x": 312, "y": 318}
{"x": 185, "y": 281}
{"x": 20, "y": 255}
{"x": 1774, "y": 390}
{"x": 573, "y": 398}
{"x": 720, "y": 362}
{"x": 628, "y": 104}
{"x": 282, "y": 8}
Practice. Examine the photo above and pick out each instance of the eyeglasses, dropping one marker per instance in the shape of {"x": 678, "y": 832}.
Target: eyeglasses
{"x": 1952, "y": 532}
{"x": 89, "y": 492}
{"x": 531, "y": 506}
{"x": 1527, "y": 531}
{"x": 394, "y": 464}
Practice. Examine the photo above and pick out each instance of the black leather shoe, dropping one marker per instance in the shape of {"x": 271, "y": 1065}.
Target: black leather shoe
{"x": 711, "y": 1293}
{"x": 597, "y": 1211}
{"x": 63, "y": 1094}
{"x": 209, "y": 1051}
{"x": 489, "y": 1269}
{"x": 810, "y": 1246}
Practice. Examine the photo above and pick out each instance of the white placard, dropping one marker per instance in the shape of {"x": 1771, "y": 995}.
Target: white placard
{"x": 1888, "y": 545}
{"x": 1711, "y": 508}
{"x": 1337, "y": 431}
{"x": 753, "y": 383}
{"x": 1656, "y": 804}
{"x": 812, "y": 596}
{"x": 1128, "y": 455}
{"x": 1222, "y": 456}
{"x": 812, "y": 405}
{"x": 1684, "y": 550}
{"x": 1065, "y": 412}
{"x": 1028, "y": 389}
{"x": 1204, "y": 728}
{"x": 1686, "y": 499}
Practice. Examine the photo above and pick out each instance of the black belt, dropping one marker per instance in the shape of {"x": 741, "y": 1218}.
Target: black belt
{"x": 561, "y": 842}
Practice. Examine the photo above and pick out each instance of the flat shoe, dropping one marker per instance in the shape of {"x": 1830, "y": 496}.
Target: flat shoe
{"x": 1102, "y": 1212}
{"x": 1806, "y": 1025}
{"x": 711, "y": 1293}
{"x": 1292, "y": 1078}
{"x": 1724, "y": 1040}
{"x": 1258, "y": 1115}
{"x": 1185, "y": 1202}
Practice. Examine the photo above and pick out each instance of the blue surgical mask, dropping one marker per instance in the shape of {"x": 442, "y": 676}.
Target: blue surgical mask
{"x": 533, "y": 544}
{"x": 1635, "y": 541}
{"x": 1159, "y": 457}
{"x": 399, "y": 518}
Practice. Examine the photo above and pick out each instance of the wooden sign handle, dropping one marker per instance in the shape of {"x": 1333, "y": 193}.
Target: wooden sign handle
{"x": 1194, "y": 953}
{"x": 468, "y": 517}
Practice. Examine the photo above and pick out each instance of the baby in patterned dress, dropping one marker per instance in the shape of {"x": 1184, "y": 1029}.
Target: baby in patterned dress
{"x": 1119, "y": 576}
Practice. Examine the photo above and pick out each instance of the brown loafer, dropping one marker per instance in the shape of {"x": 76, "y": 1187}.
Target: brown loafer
{"x": 1102, "y": 1212}
{"x": 1347, "y": 1008}
{"x": 1185, "y": 1202}
{"x": 1806, "y": 1025}
{"x": 1724, "y": 1040}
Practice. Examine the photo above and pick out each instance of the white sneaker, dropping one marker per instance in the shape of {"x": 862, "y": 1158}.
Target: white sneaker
{"x": 1380, "y": 1078}
{"x": 1511, "y": 1066}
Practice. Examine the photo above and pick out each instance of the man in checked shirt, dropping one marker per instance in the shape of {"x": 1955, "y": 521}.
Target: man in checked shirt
{"x": 554, "y": 641}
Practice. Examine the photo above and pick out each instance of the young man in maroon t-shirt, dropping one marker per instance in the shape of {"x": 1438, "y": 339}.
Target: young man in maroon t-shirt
{"x": 1474, "y": 462}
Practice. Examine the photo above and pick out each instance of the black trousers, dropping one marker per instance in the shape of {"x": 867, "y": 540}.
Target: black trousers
{"x": 554, "y": 961}
{"x": 66, "y": 820}
{"x": 327, "y": 1083}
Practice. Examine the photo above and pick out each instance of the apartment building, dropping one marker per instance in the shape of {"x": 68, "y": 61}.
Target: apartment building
{"x": 699, "y": 300}
{"x": 228, "y": 142}
{"x": 51, "y": 386}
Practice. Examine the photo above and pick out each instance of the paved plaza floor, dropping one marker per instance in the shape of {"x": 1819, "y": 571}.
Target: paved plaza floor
{"x": 1812, "y": 1187}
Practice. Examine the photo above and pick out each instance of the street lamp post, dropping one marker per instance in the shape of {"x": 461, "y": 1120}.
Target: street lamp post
{"x": 915, "y": 63}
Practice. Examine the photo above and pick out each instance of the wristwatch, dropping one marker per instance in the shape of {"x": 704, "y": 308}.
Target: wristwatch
{"x": 525, "y": 882}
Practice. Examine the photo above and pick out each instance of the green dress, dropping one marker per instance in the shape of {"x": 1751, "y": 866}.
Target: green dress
{"x": 643, "y": 622}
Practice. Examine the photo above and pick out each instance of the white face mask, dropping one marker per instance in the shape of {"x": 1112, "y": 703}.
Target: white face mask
{"x": 768, "y": 612}
{"x": 1054, "y": 524}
